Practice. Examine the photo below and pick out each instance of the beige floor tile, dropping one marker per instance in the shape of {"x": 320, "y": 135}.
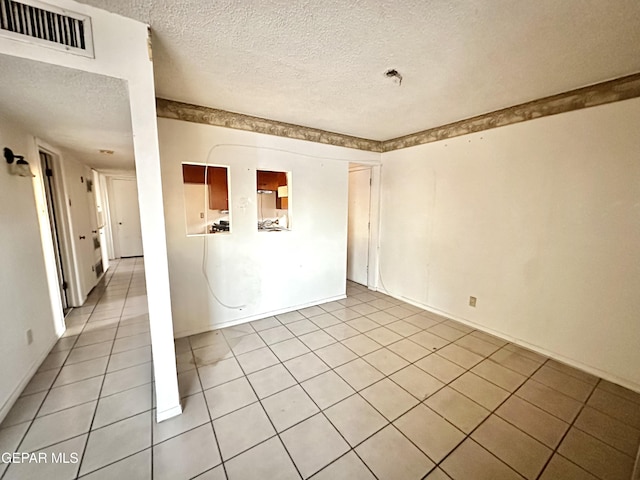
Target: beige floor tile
{"x": 313, "y": 444}
{"x": 122, "y": 405}
{"x": 391, "y": 456}
{"x": 615, "y": 406}
{"x": 264, "y": 461}
{"x": 345, "y": 314}
{"x": 245, "y": 343}
{"x": 477, "y": 345}
{"x": 40, "y": 382}
{"x": 439, "y": 367}
{"x": 302, "y": 326}
{"x": 186, "y": 455}
{"x": 49, "y": 469}
{"x": 386, "y": 361}
{"x": 355, "y": 419}
{"x": 97, "y": 336}
{"x": 478, "y": 389}
{"x": 317, "y": 339}
{"x": 81, "y": 371}
{"x": 515, "y": 362}
{"x": 327, "y": 389}
{"x": 347, "y": 467}
{"x": 514, "y": 447}
{"x": 383, "y": 335}
{"x": 216, "y": 473}
{"x": 325, "y": 320}
{"x": 289, "y": 407}
{"x": 458, "y": 409}
{"x": 289, "y": 317}
{"x": 550, "y": 400}
{"x": 525, "y": 352}
{"x": 342, "y": 331}
{"x": 137, "y": 466}
{"x": 399, "y": 311}
{"x": 81, "y": 354}
{"x": 237, "y": 331}
{"x": 595, "y": 456}
{"x": 125, "y": 379}
{"x": 489, "y": 338}
{"x": 620, "y": 391}
{"x": 561, "y": 468}
{"x": 541, "y": 425}
{"x": 567, "y": 384}
{"x": 271, "y": 380}
{"x": 306, "y": 366}
{"x": 364, "y": 309}
{"x": 446, "y": 332}
{"x": 421, "y": 320}
{"x": 311, "y": 311}
{"x": 54, "y": 360}
{"x": 361, "y": 344}
{"x": 460, "y": 356}
{"x": 257, "y": 360}
{"x": 335, "y": 355}
{"x": 219, "y": 373}
{"x": 265, "y": 324}
{"x": 289, "y": 349}
{"x": 574, "y": 372}
{"x": 24, "y": 409}
{"x": 214, "y": 337}
{"x": 417, "y": 382}
{"x": 408, "y": 350}
{"x": 242, "y": 429}
{"x": 275, "y": 335}
{"x": 611, "y": 431}
{"x": 381, "y": 317}
{"x": 363, "y": 324}
{"x": 403, "y": 328}
{"x": 211, "y": 354}
{"x": 116, "y": 441}
{"x": 499, "y": 375}
{"x": 57, "y": 427}
{"x": 359, "y": 374}
{"x": 10, "y": 438}
{"x": 229, "y": 397}
{"x": 428, "y": 340}
{"x": 389, "y": 399}
{"x": 437, "y": 474}
{"x": 471, "y": 461}
{"x": 132, "y": 329}
{"x": 430, "y": 432}
{"x": 194, "y": 414}
{"x": 189, "y": 383}
{"x": 130, "y": 358}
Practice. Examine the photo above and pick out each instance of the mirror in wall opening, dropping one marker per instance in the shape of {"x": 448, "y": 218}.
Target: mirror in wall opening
{"x": 274, "y": 201}
{"x": 206, "y": 199}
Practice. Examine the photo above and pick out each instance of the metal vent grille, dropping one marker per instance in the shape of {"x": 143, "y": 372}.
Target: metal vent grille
{"x": 46, "y": 24}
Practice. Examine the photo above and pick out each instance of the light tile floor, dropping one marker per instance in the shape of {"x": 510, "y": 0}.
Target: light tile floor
{"x": 362, "y": 388}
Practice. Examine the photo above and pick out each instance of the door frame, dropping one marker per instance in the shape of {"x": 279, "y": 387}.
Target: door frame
{"x": 374, "y": 221}
{"x": 67, "y": 248}
{"x": 113, "y": 212}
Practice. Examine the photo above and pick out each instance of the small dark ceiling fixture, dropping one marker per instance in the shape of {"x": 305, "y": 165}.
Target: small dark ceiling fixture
{"x": 394, "y": 75}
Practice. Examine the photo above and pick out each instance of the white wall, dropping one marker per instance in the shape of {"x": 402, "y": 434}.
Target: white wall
{"x": 261, "y": 273}
{"x": 539, "y": 220}
{"x": 122, "y": 51}
{"x": 24, "y": 293}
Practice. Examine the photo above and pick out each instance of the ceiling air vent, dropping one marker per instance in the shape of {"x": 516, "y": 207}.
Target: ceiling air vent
{"x": 36, "y": 22}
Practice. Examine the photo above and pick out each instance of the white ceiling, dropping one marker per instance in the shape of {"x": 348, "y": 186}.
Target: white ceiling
{"x": 72, "y": 110}
{"x": 321, "y": 63}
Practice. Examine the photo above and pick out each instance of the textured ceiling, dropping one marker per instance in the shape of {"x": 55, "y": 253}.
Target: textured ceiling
{"x": 321, "y": 63}
{"x": 75, "y": 111}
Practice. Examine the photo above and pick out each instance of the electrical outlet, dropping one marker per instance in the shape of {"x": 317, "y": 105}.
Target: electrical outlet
{"x": 29, "y": 337}
{"x": 472, "y": 301}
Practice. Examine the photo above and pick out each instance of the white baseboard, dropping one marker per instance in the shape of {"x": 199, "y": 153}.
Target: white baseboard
{"x": 167, "y": 414}
{"x": 259, "y": 316}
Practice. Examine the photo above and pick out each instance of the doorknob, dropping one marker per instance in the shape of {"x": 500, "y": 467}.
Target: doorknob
{"x": 82, "y": 237}
{"x": 119, "y": 223}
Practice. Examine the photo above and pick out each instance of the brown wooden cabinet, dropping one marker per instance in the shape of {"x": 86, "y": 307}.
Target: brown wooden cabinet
{"x": 216, "y": 178}
{"x": 271, "y": 180}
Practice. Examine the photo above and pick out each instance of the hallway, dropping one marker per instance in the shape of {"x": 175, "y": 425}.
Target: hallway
{"x": 363, "y": 388}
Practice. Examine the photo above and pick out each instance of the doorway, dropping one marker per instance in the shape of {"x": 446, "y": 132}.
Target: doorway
{"x": 54, "y": 220}
{"x": 128, "y": 233}
{"x": 359, "y": 223}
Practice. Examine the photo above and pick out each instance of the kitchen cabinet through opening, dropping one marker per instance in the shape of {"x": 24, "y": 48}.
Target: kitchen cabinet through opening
{"x": 206, "y": 199}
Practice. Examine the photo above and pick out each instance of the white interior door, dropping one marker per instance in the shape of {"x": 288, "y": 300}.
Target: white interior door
{"x": 358, "y": 231}
{"x": 127, "y": 217}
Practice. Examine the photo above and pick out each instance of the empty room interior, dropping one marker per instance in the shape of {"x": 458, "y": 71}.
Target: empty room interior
{"x": 320, "y": 240}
